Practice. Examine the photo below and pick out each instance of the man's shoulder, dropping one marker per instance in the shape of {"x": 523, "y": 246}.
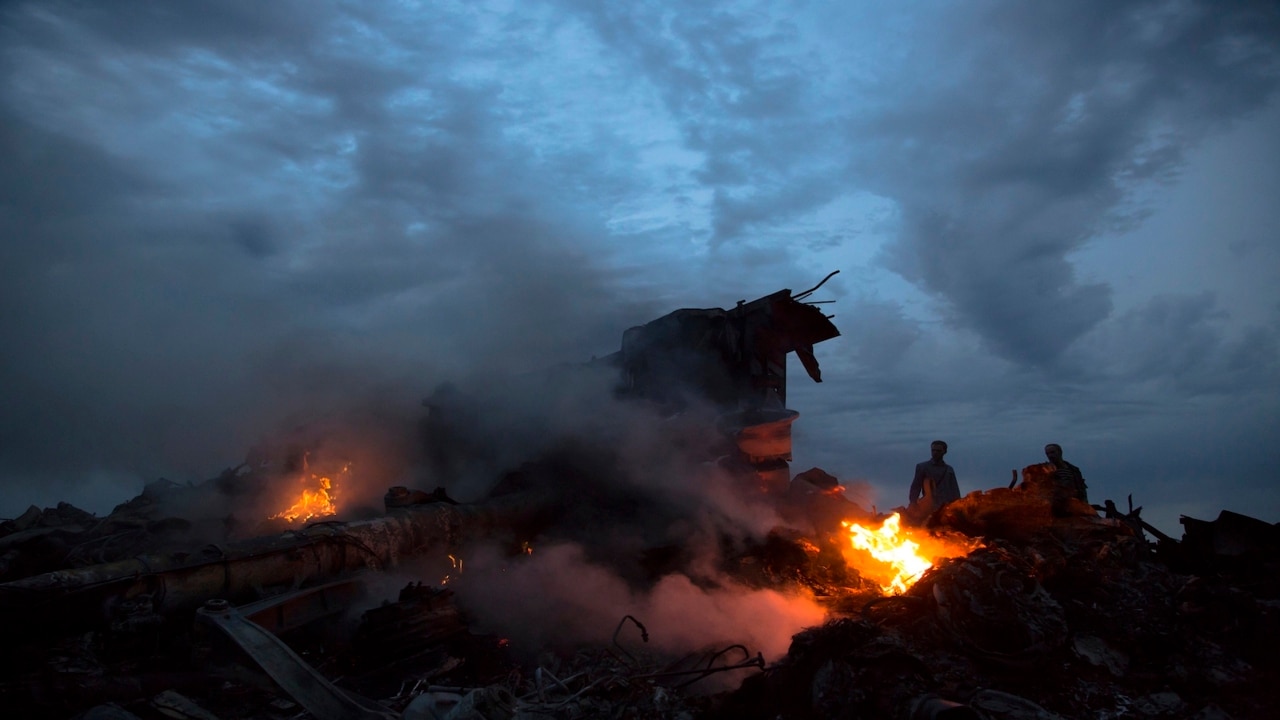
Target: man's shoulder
{"x": 928, "y": 464}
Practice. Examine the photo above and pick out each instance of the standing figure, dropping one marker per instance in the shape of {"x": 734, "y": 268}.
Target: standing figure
{"x": 934, "y": 484}
{"x": 1067, "y": 475}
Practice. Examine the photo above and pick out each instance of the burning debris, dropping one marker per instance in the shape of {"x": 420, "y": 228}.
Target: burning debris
{"x": 666, "y": 590}
{"x": 1076, "y": 619}
{"x": 896, "y": 558}
{"x": 318, "y": 499}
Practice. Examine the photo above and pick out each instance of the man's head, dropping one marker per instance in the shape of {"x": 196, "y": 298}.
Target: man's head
{"x": 1053, "y": 451}
{"x": 937, "y": 449}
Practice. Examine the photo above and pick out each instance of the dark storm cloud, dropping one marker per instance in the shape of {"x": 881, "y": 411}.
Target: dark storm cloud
{"x": 253, "y": 235}
{"x": 881, "y": 336}
{"x": 222, "y": 216}
{"x": 740, "y": 86}
{"x": 1009, "y": 134}
{"x": 1029, "y": 143}
{"x": 1009, "y": 137}
{"x": 1182, "y": 345}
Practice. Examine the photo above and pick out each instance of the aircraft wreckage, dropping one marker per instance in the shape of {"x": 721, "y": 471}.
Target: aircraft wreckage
{"x": 1015, "y": 602}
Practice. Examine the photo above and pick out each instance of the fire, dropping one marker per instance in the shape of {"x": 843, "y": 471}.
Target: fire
{"x": 455, "y": 563}
{"x": 315, "y": 501}
{"x": 889, "y": 557}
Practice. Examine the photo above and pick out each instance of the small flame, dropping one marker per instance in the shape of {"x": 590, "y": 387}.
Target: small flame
{"x": 455, "y": 562}
{"x": 896, "y": 561}
{"x": 315, "y": 501}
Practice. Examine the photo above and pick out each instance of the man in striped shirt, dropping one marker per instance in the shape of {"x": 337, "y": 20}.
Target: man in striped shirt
{"x": 1068, "y": 475}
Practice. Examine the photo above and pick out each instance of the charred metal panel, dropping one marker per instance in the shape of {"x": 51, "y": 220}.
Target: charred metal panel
{"x": 736, "y": 359}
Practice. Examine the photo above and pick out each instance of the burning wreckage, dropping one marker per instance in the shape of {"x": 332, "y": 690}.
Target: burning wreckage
{"x": 263, "y": 593}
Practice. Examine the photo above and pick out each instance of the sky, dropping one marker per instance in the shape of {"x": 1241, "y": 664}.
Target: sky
{"x": 1054, "y": 222}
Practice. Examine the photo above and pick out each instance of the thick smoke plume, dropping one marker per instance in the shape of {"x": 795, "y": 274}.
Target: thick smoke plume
{"x": 557, "y": 597}
{"x": 645, "y": 517}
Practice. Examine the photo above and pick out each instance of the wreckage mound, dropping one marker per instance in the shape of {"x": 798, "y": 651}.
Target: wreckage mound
{"x": 1059, "y": 613}
{"x": 1062, "y": 614}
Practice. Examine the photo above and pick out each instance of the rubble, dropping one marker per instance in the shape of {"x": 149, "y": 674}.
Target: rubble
{"x": 179, "y": 582}
{"x": 176, "y": 606}
{"x": 1071, "y": 617}
{"x": 1074, "y": 617}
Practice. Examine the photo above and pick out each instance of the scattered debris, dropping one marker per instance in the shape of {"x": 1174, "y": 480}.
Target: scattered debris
{"x": 174, "y": 606}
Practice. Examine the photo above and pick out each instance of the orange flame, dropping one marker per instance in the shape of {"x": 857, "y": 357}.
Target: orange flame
{"x": 455, "y": 562}
{"x": 887, "y": 556}
{"x": 315, "y": 501}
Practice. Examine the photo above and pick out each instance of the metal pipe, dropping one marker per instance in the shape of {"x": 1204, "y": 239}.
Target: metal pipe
{"x": 250, "y": 569}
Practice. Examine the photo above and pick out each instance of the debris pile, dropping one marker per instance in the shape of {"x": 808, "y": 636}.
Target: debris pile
{"x": 1062, "y": 614}
{"x": 234, "y": 599}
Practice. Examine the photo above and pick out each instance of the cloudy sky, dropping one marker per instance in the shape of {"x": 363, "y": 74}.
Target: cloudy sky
{"x": 1053, "y": 221}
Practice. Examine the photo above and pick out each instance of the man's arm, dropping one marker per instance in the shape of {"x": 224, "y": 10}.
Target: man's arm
{"x": 1082, "y": 488}
{"x": 951, "y": 491}
{"x": 917, "y": 483}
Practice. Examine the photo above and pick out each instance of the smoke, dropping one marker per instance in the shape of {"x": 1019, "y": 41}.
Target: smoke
{"x": 645, "y": 517}
{"x": 556, "y": 597}
{"x": 208, "y": 275}
{"x": 364, "y": 449}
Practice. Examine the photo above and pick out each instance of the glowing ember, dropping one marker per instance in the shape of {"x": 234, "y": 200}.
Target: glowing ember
{"x": 455, "y": 562}
{"x": 316, "y": 500}
{"x": 892, "y": 559}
